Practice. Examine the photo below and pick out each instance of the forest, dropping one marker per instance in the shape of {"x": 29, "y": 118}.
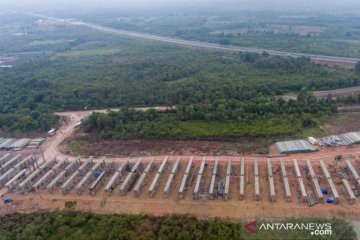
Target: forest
{"x": 216, "y": 94}
{"x": 259, "y": 117}
{"x": 88, "y": 226}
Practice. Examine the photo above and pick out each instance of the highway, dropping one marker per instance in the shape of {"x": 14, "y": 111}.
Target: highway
{"x": 199, "y": 44}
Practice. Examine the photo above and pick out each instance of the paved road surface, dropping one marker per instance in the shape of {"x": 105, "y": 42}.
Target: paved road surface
{"x": 325, "y": 58}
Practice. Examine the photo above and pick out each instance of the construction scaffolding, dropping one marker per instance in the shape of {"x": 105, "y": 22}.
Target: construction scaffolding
{"x": 314, "y": 181}
{"x": 303, "y": 193}
{"x": 50, "y": 174}
{"x": 61, "y": 176}
{"x": 330, "y": 182}
{"x": 197, "y": 188}
{"x": 26, "y": 162}
{"x": 9, "y": 164}
{"x": 172, "y": 175}
{"x": 89, "y": 176}
{"x": 242, "y": 179}
{"x": 93, "y": 187}
{"x": 212, "y": 192}
{"x": 141, "y": 180}
{"x": 100, "y": 177}
{"x": 271, "y": 181}
{"x": 68, "y": 184}
{"x": 227, "y": 179}
{"x": 4, "y": 158}
{"x": 110, "y": 186}
{"x": 285, "y": 180}
{"x": 354, "y": 173}
{"x": 27, "y": 183}
{"x": 185, "y": 178}
{"x": 155, "y": 182}
{"x": 350, "y": 193}
{"x": 256, "y": 178}
{"x": 130, "y": 178}
{"x": 15, "y": 180}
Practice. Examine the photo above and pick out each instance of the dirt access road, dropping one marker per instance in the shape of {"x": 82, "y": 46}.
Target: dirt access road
{"x": 323, "y": 94}
{"x": 51, "y": 146}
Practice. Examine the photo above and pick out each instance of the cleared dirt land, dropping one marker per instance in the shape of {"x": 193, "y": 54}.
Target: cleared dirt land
{"x": 342, "y": 122}
{"x": 204, "y": 207}
{"x": 94, "y": 146}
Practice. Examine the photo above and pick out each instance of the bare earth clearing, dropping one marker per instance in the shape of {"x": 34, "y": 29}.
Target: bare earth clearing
{"x": 92, "y": 145}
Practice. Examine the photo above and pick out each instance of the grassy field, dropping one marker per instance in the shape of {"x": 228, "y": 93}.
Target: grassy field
{"x": 48, "y": 42}
{"x": 86, "y": 53}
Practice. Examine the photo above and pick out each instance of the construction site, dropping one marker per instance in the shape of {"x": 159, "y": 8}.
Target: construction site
{"x": 234, "y": 187}
{"x": 204, "y": 186}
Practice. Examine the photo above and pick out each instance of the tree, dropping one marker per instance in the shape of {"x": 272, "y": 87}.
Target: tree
{"x": 265, "y": 54}
{"x": 224, "y": 41}
{"x": 357, "y": 67}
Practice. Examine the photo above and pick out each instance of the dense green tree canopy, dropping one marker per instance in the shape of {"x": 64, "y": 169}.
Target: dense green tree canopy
{"x": 86, "y": 226}
{"x": 103, "y": 71}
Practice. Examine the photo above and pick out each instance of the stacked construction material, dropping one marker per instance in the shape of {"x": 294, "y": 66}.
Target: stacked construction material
{"x": 18, "y": 144}
{"x": 295, "y": 146}
{"x": 34, "y": 143}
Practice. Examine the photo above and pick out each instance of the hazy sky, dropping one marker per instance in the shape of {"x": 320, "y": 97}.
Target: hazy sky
{"x": 238, "y": 4}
